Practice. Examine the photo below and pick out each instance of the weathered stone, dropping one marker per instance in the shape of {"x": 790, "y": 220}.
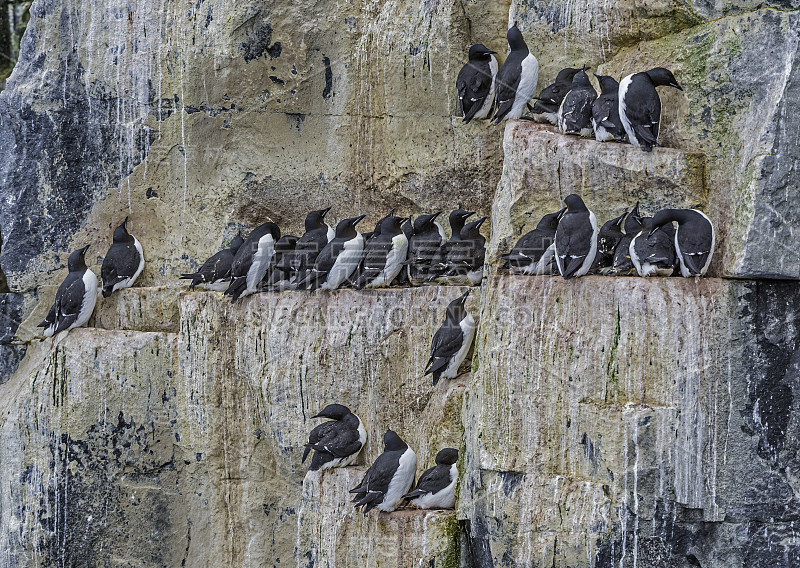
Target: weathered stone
{"x": 656, "y": 414}
{"x": 140, "y": 309}
{"x": 542, "y": 167}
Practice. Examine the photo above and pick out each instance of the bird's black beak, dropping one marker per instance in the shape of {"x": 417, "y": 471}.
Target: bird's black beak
{"x": 463, "y": 297}
{"x": 84, "y": 249}
{"x": 325, "y": 211}
{"x": 562, "y": 213}
{"x": 125, "y": 223}
{"x": 433, "y": 218}
{"x": 489, "y": 52}
{"x": 653, "y": 230}
{"x": 677, "y": 86}
{"x": 467, "y": 214}
{"x": 358, "y": 219}
{"x": 480, "y": 222}
{"x": 319, "y": 415}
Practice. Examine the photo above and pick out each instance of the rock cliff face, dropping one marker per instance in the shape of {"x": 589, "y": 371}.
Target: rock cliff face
{"x": 604, "y": 422}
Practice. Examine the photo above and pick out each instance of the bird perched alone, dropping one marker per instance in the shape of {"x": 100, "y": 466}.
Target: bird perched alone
{"x": 475, "y": 83}
{"x": 694, "y": 238}
{"x": 75, "y": 298}
{"x": 576, "y": 239}
{"x": 215, "y": 273}
{"x": 545, "y": 109}
{"x": 605, "y": 112}
{"x": 252, "y": 260}
{"x": 534, "y": 251}
{"x": 389, "y": 478}
{"x": 426, "y": 239}
{"x": 640, "y": 105}
{"x": 516, "y": 79}
{"x": 436, "y": 487}
{"x": 575, "y": 112}
{"x": 123, "y": 263}
{"x": 340, "y": 257}
{"x": 335, "y": 443}
{"x": 452, "y": 341}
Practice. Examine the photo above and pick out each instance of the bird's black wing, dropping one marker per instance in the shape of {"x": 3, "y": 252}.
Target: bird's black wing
{"x": 577, "y": 109}
{"x": 505, "y": 91}
{"x": 125, "y": 259}
{"x": 69, "y": 300}
{"x": 339, "y": 441}
{"x": 318, "y": 433}
{"x": 432, "y": 481}
{"x": 573, "y": 242}
{"x": 643, "y": 109}
{"x": 375, "y": 254}
{"x": 476, "y": 82}
{"x": 695, "y": 246}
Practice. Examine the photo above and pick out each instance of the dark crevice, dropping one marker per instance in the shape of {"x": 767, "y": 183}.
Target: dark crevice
{"x": 3, "y": 281}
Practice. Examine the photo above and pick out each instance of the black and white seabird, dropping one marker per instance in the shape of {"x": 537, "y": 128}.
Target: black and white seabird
{"x": 340, "y": 257}
{"x": 575, "y": 112}
{"x": 605, "y": 112}
{"x": 545, "y": 109}
{"x": 123, "y": 263}
{"x": 426, "y": 239}
{"x": 215, "y": 273}
{"x": 384, "y": 254}
{"x": 652, "y": 252}
{"x": 317, "y": 235}
{"x": 534, "y": 251}
{"x": 640, "y": 105}
{"x": 694, "y": 238}
{"x": 280, "y": 276}
{"x": 475, "y": 83}
{"x": 436, "y": 487}
{"x": 607, "y": 240}
{"x": 75, "y": 298}
{"x": 336, "y": 443}
{"x": 452, "y": 341}
{"x": 252, "y": 260}
{"x": 389, "y": 478}
{"x": 466, "y": 256}
{"x": 516, "y": 79}
{"x": 576, "y": 239}
{"x": 622, "y": 265}
{"x": 439, "y": 265}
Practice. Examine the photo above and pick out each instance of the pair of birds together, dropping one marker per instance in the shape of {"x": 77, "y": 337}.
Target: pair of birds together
{"x": 77, "y": 295}
{"x": 649, "y": 245}
{"x": 388, "y": 481}
{"x": 625, "y": 111}
{"x": 396, "y": 250}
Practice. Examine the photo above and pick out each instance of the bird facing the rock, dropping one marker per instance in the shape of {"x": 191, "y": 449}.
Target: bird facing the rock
{"x": 576, "y": 239}
{"x": 335, "y": 443}
{"x": 123, "y": 263}
{"x": 317, "y": 235}
{"x": 75, "y": 298}
{"x": 452, "y": 341}
{"x": 694, "y": 238}
{"x": 516, "y": 79}
{"x": 426, "y": 239}
{"x": 575, "y": 112}
{"x": 640, "y": 105}
{"x": 475, "y": 83}
{"x": 605, "y": 112}
{"x": 389, "y": 478}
